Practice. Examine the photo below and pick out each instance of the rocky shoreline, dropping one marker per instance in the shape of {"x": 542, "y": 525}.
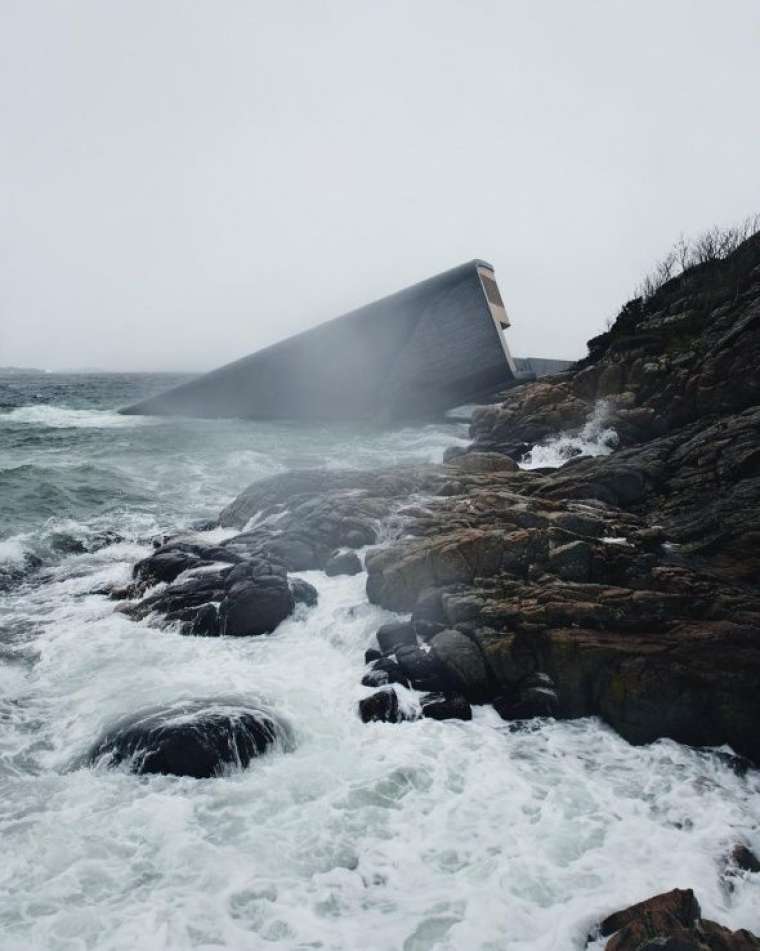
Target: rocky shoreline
{"x": 622, "y": 586}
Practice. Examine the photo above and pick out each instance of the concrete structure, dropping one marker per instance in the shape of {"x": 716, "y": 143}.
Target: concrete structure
{"x": 535, "y": 367}
{"x": 425, "y": 349}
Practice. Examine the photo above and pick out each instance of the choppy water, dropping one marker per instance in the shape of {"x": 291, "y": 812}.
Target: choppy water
{"x": 458, "y": 836}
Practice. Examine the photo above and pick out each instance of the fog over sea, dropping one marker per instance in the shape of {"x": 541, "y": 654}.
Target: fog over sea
{"x": 454, "y": 836}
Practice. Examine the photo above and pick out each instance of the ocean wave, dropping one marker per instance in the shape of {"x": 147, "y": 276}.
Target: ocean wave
{"x": 63, "y": 417}
{"x": 596, "y": 438}
{"x": 13, "y": 551}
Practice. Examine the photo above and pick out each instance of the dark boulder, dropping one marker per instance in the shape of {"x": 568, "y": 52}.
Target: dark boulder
{"x": 462, "y": 660}
{"x": 256, "y": 606}
{"x": 205, "y": 623}
{"x": 382, "y": 705}
{"x": 396, "y": 634}
{"x": 168, "y": 561}
{"x": 359, "y": 535}
{"x": 383, "y": 671}
{"x": 375, "y": 677}
{"x": 200, "y": 739}
{"x": 535, "y": 697}
{"x": 445, "y": 706}
{"x": 744, "y": 859}
{"x": 297, "y": 554}
{"x": 422, "y": 668}
{"x": 343, "y": 563}
{"x": 429, "y": 606}
{"x": 303, "y": 592}
{"x": 372, "y": 653}
{"x": 166, "y": 564}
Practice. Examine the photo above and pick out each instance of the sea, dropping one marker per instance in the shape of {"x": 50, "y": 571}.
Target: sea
{"x": 454, "y": 836}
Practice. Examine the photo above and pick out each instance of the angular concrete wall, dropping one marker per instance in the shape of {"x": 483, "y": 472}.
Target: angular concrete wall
{"x": 423, "y": 349}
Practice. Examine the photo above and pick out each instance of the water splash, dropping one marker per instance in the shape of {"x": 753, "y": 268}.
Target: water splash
{"x": 596, "y": 438}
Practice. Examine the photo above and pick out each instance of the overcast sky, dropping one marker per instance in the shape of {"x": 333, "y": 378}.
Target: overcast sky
{"x": 184, "y": 182}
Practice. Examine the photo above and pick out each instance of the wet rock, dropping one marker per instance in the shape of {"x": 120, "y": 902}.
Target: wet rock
{"x": 452, "y": 452}
{"x": 396, "y": 634}
{"x": 571, "y": 562}
{"x": 343, "y": 563}
{"x": 371, "y": 654}
{"x": 382, "y": 705}
{"x": 166, "y": 564}
{"x": 375, "y": 677}
{"x": 426, "y": 630}
{"x": 383, "y": 671}
{"x": 535, "y": 697}
{"x": 679, "y": 906}
{"x": 461, "y": 607}
{"x": 671, "y": 921}
{"x": 359, "y": 536}
{"x": 205, "y": 623}
{"x": 429, "y": 606}
{"x": 120, "y": 592}
{"x": 482, "y": 462}
{"x": 200, "y": 739}
{"x": 303, "y": 592}
{"x": 462, "y": 661}
{"x": 445, "y": 706}
{"x": 256, "y": 606}
{"x": 421, "y": 668}
{"x": 450, "y": 488}
{"x": 744, "y": 859}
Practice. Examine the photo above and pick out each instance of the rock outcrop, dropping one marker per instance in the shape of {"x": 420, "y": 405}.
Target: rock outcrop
{"x": 673, "y": 921}
{"x": 622, "y": 586}
{"x": 200, "y": 739}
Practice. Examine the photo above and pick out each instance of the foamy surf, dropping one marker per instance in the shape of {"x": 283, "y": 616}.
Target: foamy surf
{"x": 425, "y": 836}
{"x": 59, "y": 417}
{"x": 596, "y": 438}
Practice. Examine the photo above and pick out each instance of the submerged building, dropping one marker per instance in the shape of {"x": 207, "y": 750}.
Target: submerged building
{"x": 425, "y": 349}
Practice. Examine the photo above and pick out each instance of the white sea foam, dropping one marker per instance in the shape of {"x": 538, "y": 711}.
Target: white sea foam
{"x": 421, "y": 835}
{"x": 596, "y": 438}
{"x": 62, "y": 417}
{"x": 13, "y": 550}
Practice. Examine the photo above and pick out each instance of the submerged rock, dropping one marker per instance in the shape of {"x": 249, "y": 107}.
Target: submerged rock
{"x": 384, "y": 670}
{"x": 343, "y": 563}
{"x": 744, "y": 859}
{"x": 200, "y": 739}
{"x": 382, "y": 705}
{"x": 445, "y": 706}
{"x": 303, "y": 592}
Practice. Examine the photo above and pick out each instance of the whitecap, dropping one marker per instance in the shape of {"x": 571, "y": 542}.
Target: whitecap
{"x": 596, "y": 438}
{"x": 63, "y": 417}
